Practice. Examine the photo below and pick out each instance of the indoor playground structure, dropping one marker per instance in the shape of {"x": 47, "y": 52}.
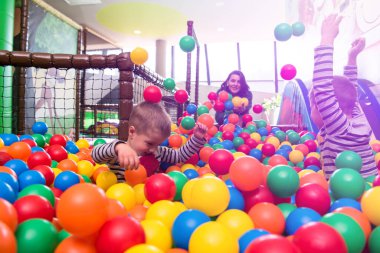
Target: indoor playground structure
{"x": 253, "y": 187}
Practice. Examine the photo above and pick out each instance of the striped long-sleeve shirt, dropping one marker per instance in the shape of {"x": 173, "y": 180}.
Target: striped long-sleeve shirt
{"x": 106, "y": 153}
{"x": 339, "y": 132}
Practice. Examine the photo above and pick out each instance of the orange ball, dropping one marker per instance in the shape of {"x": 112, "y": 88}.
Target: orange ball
{"x": 206, "y": 120}
{"x": 314, "y": 178}
{"x": 358, "y": 216}
{"x": 268, "y": 216}
{"x": 8, "y": 170}
{"x": 20, "y": 150}
{"x": 212, "y": 131}
{"x": 303, "y": 148}
{"x": 134, "y": 177}
{"x": 223, "y": 96}
{"x": 175, "y": 141}
{"x": 233, "y": 118}
{"x": 98, "y": 171}
{"x": 204, "y": 170}
{"x": 172, "y": 168}
{"x": 205, "y": 153}
{"x": 115, "y": 208}
{"x": 246, "y": 173}
{"x": 277, "y": 160}
{"x": 138, "y": 212}
{"x": 208, "y": 104}
{"x": 82, "y": 209}
{"x": 68, "y": 164}
{"x": 8, "y": 239}
{"x": 8, "y": 214}
{"x": 75, "y": 244}
{"x": 229, "y": 127}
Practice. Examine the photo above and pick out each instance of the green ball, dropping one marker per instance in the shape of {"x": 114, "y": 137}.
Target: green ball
{"x": 294, "y": 137}
{"x": 169, "y": 84}
{"x": 286, "y": 209}
{"x": 54, "y": 164}
{"x": 217, "y": 146}
{"x": 260, "y": 123}
{"x": 300, "y": 165}
{"x": 370, "y": 179}
{"x": 306, "y": 137}
{"x": 251, "y": 128}
{"x": 218, "y": 134}
{"x": 40, "y": 190}
{"x": 349, "y": 229}
{"x": 202, "y": 109}
{"x": 40, "y": 140}
{"x": 283, "y": 181}
{"x": 374, "y": 240}
{"x": 48, "y": 137}
{"x": 347, "y": 183}
{"x": 349, "y": 159}
{"x": 86, "y": 179}
{"x": 265, "y": 161}
{"x": 281, "y": 135}
{"x": 99, "y": 142}
{"x": 237, "y": 141}
{"x": 187, "y": 43}
{"x": 188, "y": 123}
{"x": 180, "y": 180}
{"x": 36, "y": 236}
{"x": 62, "y": 235}
{"x": 291, "y": 164}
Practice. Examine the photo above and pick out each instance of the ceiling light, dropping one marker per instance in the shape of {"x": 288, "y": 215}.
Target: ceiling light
{"x": 83, "y": 2}
{"x": 137, "y": 32}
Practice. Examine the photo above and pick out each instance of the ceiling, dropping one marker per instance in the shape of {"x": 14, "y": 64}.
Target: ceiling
{"x": 214, "y": 20}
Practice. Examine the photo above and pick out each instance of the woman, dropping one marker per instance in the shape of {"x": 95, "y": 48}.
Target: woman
{"x": 237, "y": 86}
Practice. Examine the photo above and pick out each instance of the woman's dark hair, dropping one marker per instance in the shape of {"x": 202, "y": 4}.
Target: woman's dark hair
{"x": 244, "y": 88}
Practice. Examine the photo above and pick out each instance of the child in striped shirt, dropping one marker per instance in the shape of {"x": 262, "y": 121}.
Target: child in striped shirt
{"x": 334, "y": 104}
{"x": 149, "y": 126}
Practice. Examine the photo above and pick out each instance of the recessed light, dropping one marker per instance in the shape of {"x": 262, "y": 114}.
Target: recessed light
{"x": 83, "y": 2}
{"x": 219, "y": 4}
{"x": 137, "y": 32}
{"x": 220, "y": 29}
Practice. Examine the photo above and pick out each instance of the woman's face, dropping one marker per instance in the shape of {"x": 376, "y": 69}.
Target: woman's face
{"x": 234, "y": 83}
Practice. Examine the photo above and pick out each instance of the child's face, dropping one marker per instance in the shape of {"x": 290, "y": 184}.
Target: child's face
{"x": 234, "y": 83}
{"x": 145, "y": 143}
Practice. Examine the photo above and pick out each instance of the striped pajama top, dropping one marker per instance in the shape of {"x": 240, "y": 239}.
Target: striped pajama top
{"x": 339, "y": 133}
{"x": 106, "y": 154}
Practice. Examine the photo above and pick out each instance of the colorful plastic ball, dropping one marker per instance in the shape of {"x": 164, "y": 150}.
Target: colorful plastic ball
{"x": 296, "y": 156}
{"x": 256, "y": 153}
{"x": 7, "y": 192}
{"x": 8, "y": 214}
{"x": 237, "y": 221}
{"x": 349, "y": 159}
{"x": 293, "y": 137}
{"x": 8, "y": 241}
{"x": 40, "y": 127}
{"x": 300, "y": 217}
{"x": 268, "y": 149}
{"x": 40, "y": 190}
{"x": 348, "y": 228}
{"x": 74, "y": 244}
{"x": 98, "y": 142}
{"x": 369, "y": 205}
{"x": 36, "y": 235}
{"x": 169, "y": 84}
{"x": 236, "y": 199}
{"x": 181, "y": 96}
{"x": 263, "y": 214}
{"x": 311, "y": 144}
{"x": 159, "y": 187}
{"x": 359, "y": 217}
{"x": 213, "y": 237}
{"x": 374, "y": 240}
{"x": 207, "y": 120}
{"x": 286, "y": 209}
{"x": 58, "y": 139}
{"x": 33, "y": 206}
{"x": 156, "y": 234}
{"x": 30, "y": 177}
{"x": 212, "y": 96}
{"x": 315, "y": 197}
{"x": 246, "y": 173}
{"x": 119, "y": 234}
{"x": 298, "y": 28}
{"x": 144, "y": 248}
{"x": 184, "y": 226}
{"x": 220, "y": 161}
{"x": 39, "y": 158}
{"x": 257, "y": 108}
{"x": 191, "y": 173}
{"x": 248, "y": 237}
{"x": 187, "y": 43}
{"x": 277, "y": 160}
{"x": 202, "y": 110}
{"x": 65, "y": 180}
{"x": 72, "y": 147}
{"x": 152, "y": 94}
{"x": 139, "y": 56}
{"x": 19, "y": 150}
{"x": 191, "y": 109}
{"x": 10, "y": 179}
{"x": 188, "y": 123}
{"x": 345, "y": 202}
{"x": 57, "y": 152}
{"x": 271, "y": 243}
{"x": 165, "y": 211}
{"x": 346, "y": 183}
{"x": 288, "y": 72}
{"x": 314, "y": 178}
{"x": 244, "y": 148}
{"x": 180, "y": 180}
{"x": 283, "y": 181}
{"x": 283, "y": 32}
{"x": 318, "y": 237}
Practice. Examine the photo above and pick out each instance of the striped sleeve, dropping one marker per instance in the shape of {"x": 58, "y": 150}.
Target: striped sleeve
{"x": 182, "y": 154}
{"x": 104, "y": 153}
{"x": 335, "y": 121}
{"x": 351, "y": 72}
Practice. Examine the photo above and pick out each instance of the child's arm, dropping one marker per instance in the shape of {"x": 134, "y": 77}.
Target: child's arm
{"x": 333, "y": 117}
{"x": 192, "y": 146}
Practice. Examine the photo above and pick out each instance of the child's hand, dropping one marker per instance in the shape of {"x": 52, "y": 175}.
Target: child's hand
{"x": 127, "y": 156}
{"x": 200, "y": 131}
{"x": 356, "y": 47}
{"x": 330, "y": 29}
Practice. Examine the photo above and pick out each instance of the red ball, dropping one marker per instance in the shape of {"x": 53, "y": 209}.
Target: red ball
{"x": 311, "y": 145}
{"x": 228, "y": 135}
{"x": 251, "y": 143}
{"x": 30, "y": 142}
{"x": 261, "y": 194}
{"x": 47, "y": 172}
{"x": 244, "y": 148}
{"x": 220, "y": 161}
{"x": 212, "y": 96}
{"x": 57, "y": 152}
{"x": 152, "y": 94}
{"x": 57, "y": 192}
{"x": 318, "y": 237}
{"x": 271, "y": 243}
{"x": 39, "y": 158}
{"x": 193, "y": 159}
{"x": 4, "y": 158}
{"x": 150, "y": 163}
{"x": 33, "y": 206}
{"x": 268, "y": 149}
{"x": 257, "y": 108}
{"x": 159, "y": 187}
{"x": 219, "y": 106}
{"x": 315, "y": 197}
{"x": 288, "y": 72}
{"x": 303, "y": 148}
{"x": 119, "y": 234}
{"x": 376, "y": 181}
{"x": 246, "y": 118}
{"x": 181, "y": 96}
{"x": 311, "y": 160}
{"x": 277, "y": 160}
{"x": 244, "y": 135}
{"x": 58, "y": 139}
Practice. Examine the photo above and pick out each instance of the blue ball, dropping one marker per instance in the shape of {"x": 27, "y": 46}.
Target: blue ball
{"x": 9, "y": 139}
{"x": 286, "y": 147}
{"x": 65, "y": 180}
{"x": 283, "y": 32}
{"x": 238, "y": 129}
{"x": 236, "y": 199}
{"x": 184, "y": 226}
{"x": 249, "y": 236}
{"x": 191, "y": 108}
{"x": 30, "y": 177}
{"x": 256, "y": 153}
{"x": 26, "y": 136}
{"x": 7, "y": 193}
{"x": 228, "y": 144}
{"x": 201, "y": 163}
{"x": 39, "y": 127}
{"x": 213, "y": 141}
{"x": 262, "y": 131}
{"x": 229, "y": 183}
{"x": 71, "y": 147}
{"x": 300, "y": 217}
{"x": 283, "y": 152}
{"x": 313, "y": 168}
{"x": 298, "y": 28}
{"x": 165, "y": 143}
{"x": 17, "y": 165}
{"x": 37, "y": 149}
{"x": 345, "y": 202}
{"x": 228, "y": 105}
{"x": 275, "y": 129}
{"x": 9, "y": 179}
{"x": 191, "y": 173}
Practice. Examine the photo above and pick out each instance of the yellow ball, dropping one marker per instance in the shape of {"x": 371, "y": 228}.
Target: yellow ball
{"x": 187, "y": 166}
{"x": 124, "y": 193}
{"x": 139, "y": 193}
{"x": 305, "y": 172}
{"x": 238, "y": 154}
{"x": 274, "y": 141}
{"x": 374, "y": 142}
{"x": 184, "y": 140}
{"x": 147, "y": 203}
{"x": 256, "y": 137}
{"x": 296, "y": 156}
{"x": 377, "y": 158}
{"x": 1, "y": 143}
{"x": 314, "y": 154}
{"x": 213, "y": 237}
{"x": 186, "y": 192}
{"x": 236, "y": 101}
{"x": 85, "y": 168}
{"x": 164, "y": 211}
{"x": 139, "y": 56}
{"x": 237, "y": 221}
{"x": 56, "y": 172}
{"x": 144, "y": 248}
{"x": 106, "y": 179}
{"x": 285, "y": 143}
{"x": 259, "y": 146}
{"x": 157, "y": 234}
{"x": 244, "y": 101}
{"x": 173, "y": 127}
{"x": 370, "y": 203}
{"x": 73, "y": 157}
{"x": 82, "y": 143}
{"x": 180, "y": 206}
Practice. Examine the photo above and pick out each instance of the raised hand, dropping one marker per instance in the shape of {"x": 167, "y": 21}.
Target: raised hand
{"x": 356, "y": 48}
{"x": 127, "y": 157}
{"x": 330, "y": 29}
